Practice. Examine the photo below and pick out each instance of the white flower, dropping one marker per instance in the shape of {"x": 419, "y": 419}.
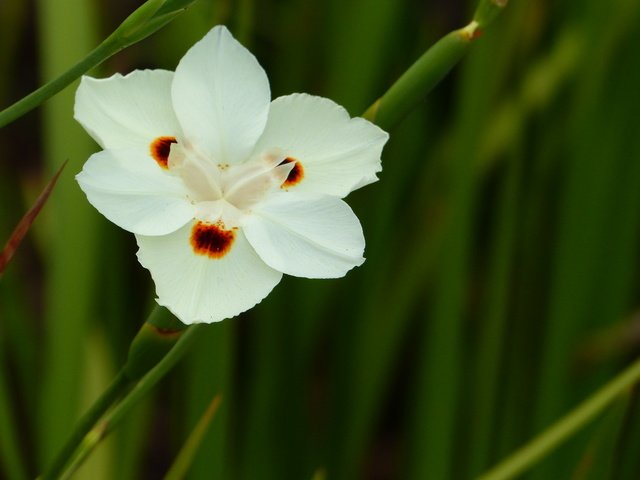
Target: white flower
{"x": 224, "y": 189}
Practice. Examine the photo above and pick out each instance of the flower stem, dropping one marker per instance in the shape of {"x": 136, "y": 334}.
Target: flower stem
{"x": 430, "y": 68}
{"x": 154, "y": 340}
{"x": 103, "y": 51}
{"x": 147, "y": 19}
{"x": 528, "y": 455}
{"x": 157, "y": 336}
{"x": 420, "y": 78}
{"x": 117, "y": 388}
{"x": 113, "y": 419}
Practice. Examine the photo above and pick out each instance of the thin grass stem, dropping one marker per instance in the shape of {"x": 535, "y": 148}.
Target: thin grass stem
{"x": 119, "y": 412}
{"x": 547, "y": 441}
{"x": 117, "y": 388}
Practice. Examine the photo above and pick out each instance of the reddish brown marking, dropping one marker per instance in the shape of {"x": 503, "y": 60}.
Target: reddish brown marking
{"x": 160, "y": 149}
{"x": 211, "y": 239}
{"x": 24, "y": 225}
{"x": 295, "y": 175}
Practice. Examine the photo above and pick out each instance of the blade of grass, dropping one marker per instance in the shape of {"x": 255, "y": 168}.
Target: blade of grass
{"x": 98, "y": 374}
{"x": 70, "y": 251}
{"x": 437, "y": 388}
{"x": 122, "y": 282}
{"x": 542, "y": 83}
{"x": 492, "y": 336}
{"x": 583, "y": 243}
{"x": 18, "y": 340}
{"x": 108, "y": 397}
{"x": 357, "y": 56}
{"x": 131, "y": 463}
{"x": 284, "y": 348}
{"x": 148, "y": 18}
{"x": 23, "y": 227}
{"x": 597, "y": 461}
{"x": 623, "y": 219}
{"x": 440, "y": 367}
{"x": 209, "y": 369}
{"x": 370, "y": 341}
{"x": 485, "y": 376}
{"x": 159, "y": 337}
{"x": 101, "y": 430}
{"x": 13, "y": 463}
{"x": 371, "y": 363}
{"x": 265, "y": 436}
{"x": 420, "y": 78}
{"x": 188, "y": 452}
{"x": 534, "y": 238}
{"x": 297, "y": 342}
{"x": 570, "y": 424}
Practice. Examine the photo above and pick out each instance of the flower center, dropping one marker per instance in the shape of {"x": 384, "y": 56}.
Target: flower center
{"x": 224, "y": 193}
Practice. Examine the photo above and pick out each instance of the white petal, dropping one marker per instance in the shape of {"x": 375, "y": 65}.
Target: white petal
{"x": 339, "y": 154}
{"x": 197, "y": 288}
{"x": 132, "y": 191}
{"x": 309, "y": 236}
{"x": 129, "y": 111}
{"x": 221, "y": 97}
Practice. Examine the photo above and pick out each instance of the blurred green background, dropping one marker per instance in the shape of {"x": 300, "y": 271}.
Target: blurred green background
{"x": 501, "y": 282}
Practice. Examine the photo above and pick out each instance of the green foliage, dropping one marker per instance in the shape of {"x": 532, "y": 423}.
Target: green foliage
{"x": 501, "y": 282}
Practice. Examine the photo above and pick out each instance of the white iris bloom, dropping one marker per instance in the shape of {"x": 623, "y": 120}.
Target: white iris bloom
{"x": 224, "y": 189}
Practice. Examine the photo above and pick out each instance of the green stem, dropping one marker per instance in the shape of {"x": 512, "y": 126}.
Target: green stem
{"x": 103, "y": 51}
{"x": 147, "y": 19}
{"x": 156, "y": 337}
{"x": 154, "y": 340}
{"x": 117, "y": 388}
{"x": 421, "y": 77}
{"x": 430, "y": 68}
{"x": 528, "y": 455}
{"x": 102, "y": 429}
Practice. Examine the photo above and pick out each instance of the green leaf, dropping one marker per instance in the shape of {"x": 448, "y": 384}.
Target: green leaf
{"x": 188, "y": 452}
{"x": 23, "y": 227}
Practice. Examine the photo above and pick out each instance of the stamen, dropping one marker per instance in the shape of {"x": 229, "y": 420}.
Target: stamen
{"x": 160, "y": 150}
{"x": 212, "y": 240}
{"x": 295, "y": 175}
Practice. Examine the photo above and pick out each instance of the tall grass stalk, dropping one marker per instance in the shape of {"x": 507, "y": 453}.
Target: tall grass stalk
{"x": 67, "y": 32}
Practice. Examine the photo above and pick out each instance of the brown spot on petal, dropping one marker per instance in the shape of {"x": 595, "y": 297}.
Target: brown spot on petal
{"x": 295, "y": 175}
{"x": 160, "y": 149}
{"x": 212, "y": 240}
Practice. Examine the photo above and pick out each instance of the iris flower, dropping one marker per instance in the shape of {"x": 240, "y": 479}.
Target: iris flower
{"x": 224, "y": 189}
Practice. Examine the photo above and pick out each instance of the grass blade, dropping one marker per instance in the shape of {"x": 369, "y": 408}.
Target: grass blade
{"x": 188, "y": 452}
{"x": 23, "y": 227}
